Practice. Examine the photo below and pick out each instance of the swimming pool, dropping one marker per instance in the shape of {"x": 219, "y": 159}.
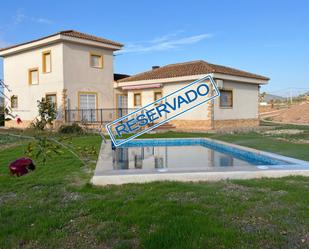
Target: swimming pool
{"x": 197, "y": 159}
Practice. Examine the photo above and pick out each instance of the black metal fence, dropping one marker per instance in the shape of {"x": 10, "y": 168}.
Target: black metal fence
{"x": 2, "y": 118}
{"x": 95, "y": 116}
{"x": 2, "y": 111}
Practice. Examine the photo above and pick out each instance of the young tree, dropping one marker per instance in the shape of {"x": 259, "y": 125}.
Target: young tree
{"x": 47, "y": 114}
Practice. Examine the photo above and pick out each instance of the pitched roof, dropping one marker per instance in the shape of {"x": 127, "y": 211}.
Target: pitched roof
{"x": 190, "y": 68}
{"x": 71, "y": 33}
{"x": 80, "y": 35}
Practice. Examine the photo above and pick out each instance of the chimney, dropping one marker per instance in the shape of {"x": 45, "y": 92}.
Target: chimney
{"x": 155, "y": 67}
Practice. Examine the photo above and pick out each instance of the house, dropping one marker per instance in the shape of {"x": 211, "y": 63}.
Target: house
{"x": 74, "y": 70}
{"x": 237, "y": 105}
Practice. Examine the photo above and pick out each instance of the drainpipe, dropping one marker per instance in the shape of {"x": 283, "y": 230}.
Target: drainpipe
{"x": 212, "y": 114}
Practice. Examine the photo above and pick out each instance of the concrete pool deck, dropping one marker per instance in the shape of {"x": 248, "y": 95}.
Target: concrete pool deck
{"x": 106, "y": 175}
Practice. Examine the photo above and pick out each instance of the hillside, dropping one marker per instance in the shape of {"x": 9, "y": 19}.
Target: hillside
{"x": 269, "y": 97}
{"x": 295, "y": 114}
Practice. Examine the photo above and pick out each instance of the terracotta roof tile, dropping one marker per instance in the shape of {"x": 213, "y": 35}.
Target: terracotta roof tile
{"x": 190, "y": 68}
{"x": 71, "y": 33}
{"x": 80, "y": 35}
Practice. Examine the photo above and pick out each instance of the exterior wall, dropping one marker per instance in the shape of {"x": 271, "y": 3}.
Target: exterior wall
{"x": 244, "y": 112}
{"x": 245, "y": 102}
{"x": 16, "y": 77}
{"x": 199, "y": 113}
{"x": 79, "y": 76}
{"x": 71, "y": 70}
{"x": 147, "y": 96}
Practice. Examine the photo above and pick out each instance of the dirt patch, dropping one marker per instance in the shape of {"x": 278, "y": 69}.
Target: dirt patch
{"x": 295, "y": 141}
{"x": 69, "y": 197}
{"x": 105, "y": 234}
{"x": 284, "y": 132}
{"x": 10, "y": 145}
{"x": 183, "y": 197}
{"x": 295, "y": 114}
{"x": 7, "y": 197}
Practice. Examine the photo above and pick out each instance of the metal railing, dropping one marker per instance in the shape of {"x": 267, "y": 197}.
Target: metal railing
{"x": 95, "y": 116}
{"x": 2, "y": 118}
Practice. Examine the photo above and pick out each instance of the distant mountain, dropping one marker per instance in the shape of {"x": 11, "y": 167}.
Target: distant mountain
{"x": 304, "y": 94}
{"x": 269, "y": 97}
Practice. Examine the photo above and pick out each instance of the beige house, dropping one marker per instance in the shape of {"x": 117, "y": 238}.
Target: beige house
{"x": 236, "y": 107}
{"x": 75, "y": 71}
{"x": 72, "y": 69}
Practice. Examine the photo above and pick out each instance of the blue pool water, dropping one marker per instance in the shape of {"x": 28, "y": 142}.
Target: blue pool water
{"x": 185, "y": 153}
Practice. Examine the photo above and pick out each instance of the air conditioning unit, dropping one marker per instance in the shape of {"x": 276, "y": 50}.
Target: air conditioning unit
{"x": 219, "y": 83}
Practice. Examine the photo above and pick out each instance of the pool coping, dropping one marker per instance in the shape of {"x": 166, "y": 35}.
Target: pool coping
{"x": 104, "y": 175}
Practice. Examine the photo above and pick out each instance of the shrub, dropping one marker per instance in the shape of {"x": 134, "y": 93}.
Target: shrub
{"x": 47, "y": 114}
{"x": 42, "y": 148}
{"x": 69, "y": 129}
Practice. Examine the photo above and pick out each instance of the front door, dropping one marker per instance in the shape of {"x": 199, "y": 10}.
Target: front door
{"x": 87, "y": 106}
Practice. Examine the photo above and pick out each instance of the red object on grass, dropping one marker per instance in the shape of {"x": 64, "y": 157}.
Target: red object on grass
{"x": 18, "y": 120}
{"x": 21, "y": 166}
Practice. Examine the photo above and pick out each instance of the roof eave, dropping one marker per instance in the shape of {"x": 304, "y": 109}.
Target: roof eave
{"x": 54, "y": 39}
{"x": 29, "y": 45}
{"x": 161, "y": 80}
{"x": 245, "y": 79}
{"x": 251, "y": 80}
{"x": 91, "y": 43}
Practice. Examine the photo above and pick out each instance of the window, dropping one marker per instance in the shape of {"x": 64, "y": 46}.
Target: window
{"x": 96, "y": 60}
{"x": 226, "y": 98}
{"x": 137, "y": 99}
{"x": 87, "y": 105}
{"x": 33, "y": 76}
{"x": 52, "y": 98}
{"x": 14, "y": 101}
{"x": 46, "y": 63}
{"x": 157, "y": 95}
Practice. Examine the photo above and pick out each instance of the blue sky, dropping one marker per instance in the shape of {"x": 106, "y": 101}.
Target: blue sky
{"x": 265, "y": 37}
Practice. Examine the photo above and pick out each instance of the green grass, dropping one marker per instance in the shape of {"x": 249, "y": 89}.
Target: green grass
{"x": 56, "y": 207}
{"x": 268, "y": 143}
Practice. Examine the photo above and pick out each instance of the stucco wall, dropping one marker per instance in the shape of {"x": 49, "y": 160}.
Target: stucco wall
{"x": 199, "y": 113}
{"x": 79, "y": 76}
{"x": 245, "y": 102}
{"x": 16, "y": 76}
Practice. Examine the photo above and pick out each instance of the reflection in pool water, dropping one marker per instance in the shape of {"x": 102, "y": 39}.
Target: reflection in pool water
{"x": 162, "y": 157}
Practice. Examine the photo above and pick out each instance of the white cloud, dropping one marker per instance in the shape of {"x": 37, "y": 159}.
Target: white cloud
{"x": 166, "y": 37}
{"x": 21, "y": 17}
{"x": 42, "y": 20}
{"x": 165, "y": 42}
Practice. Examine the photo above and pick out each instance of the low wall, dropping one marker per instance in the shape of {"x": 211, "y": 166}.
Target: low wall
{"x": 192, "y": 125}
{"x": 13, "y": 124}
{"x": 27, "y": 123}
{"x": 206, "y": 125}
{"x": 180, "y": 125}
{"x": 236, "y": 123}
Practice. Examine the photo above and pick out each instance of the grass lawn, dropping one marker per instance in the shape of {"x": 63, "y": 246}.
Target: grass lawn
{"x": 56, "y": 207}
